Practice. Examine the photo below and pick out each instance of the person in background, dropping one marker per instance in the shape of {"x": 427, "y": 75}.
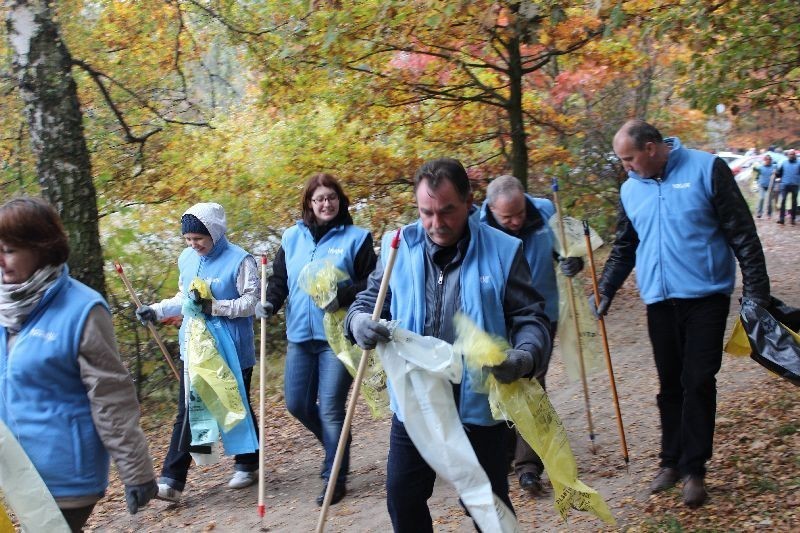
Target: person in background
{"x": 315, "y": 381}
{"x": 66, "y": 395}
{"x": 515, "y": 213}
{"x": 682, "y": 223}
{"x": 789, "y": 174}
{"x": 448, "y": 262}
{"x": 232, "y": 277}
{"x": 763, "y": 174}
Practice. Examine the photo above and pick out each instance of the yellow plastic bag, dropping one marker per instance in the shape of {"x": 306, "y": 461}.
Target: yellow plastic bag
{"x": 525, "y": 403}
{"x": 209, "y": 374}
{"x": 320, "y": 279}
{"x": 738, "y": 344}
{"x": 5, "y": 521}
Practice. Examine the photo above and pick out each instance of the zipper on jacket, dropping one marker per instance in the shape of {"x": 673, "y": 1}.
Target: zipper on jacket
{"x": 438, "y": 301}
{"x": 660, "y": 246}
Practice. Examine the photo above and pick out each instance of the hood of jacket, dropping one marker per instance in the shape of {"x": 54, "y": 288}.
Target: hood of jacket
{"x": 212, "y": 216}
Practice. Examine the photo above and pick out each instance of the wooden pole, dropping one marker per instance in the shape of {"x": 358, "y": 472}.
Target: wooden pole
{"x": 571, "y": 303}
{"x": 262, "y": 365}
{"x": 351, "y": 406}
{"x": 150, "y": 326}
{"x": 606, "y": 349}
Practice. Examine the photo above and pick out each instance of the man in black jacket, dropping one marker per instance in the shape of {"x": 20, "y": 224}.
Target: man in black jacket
{"x": 683, "y": 223}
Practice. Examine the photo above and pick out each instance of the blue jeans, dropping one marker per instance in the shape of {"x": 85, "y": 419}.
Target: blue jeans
{"x": 315, "y": 385}
{"x": 409, "y": 479}
{"x": 762, "y": 199}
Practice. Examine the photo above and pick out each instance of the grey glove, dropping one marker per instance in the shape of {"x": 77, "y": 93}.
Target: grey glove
{"x": 264, "y": 310}
{"x": 333, "y": 306}
{"x": 367, "y": 332}
{"x": 146, "y": 314}
{"x": 203, "y": 303}
{"x": 602, "y": 309}
{"x": 518, "y": 363}
{"x": 137, "y": 496}
{"x": 570, "y": 265}
{"x": 757, "y": 300}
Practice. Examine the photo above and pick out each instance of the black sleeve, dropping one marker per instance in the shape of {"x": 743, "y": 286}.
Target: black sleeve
{"x": 622, "y": 258}
{"x": 523, "y": 308}
{"x": 363, "y": 265}
{"x": 366, "y": 299}
{"x": 277, "y": 284}
{"x": 778, "y": 171}
{"x": 737, "y": 224}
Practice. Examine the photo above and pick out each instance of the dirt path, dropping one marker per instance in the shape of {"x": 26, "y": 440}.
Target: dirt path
{"x": 294, "y": 456}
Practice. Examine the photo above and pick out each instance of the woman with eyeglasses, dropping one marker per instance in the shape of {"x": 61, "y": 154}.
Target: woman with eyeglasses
{"x": 315, "y": 381}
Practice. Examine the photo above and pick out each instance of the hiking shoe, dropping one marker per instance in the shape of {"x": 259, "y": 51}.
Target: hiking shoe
{"x": 241, "y": 479}
{"x": 168, "y": 494}
{"x": 531, "y": 482}
{"x": 779, "y": 221}
{"x": 339, "y": 492}
{"x": 694, "y": 491}
{"x": 666, "y": 478}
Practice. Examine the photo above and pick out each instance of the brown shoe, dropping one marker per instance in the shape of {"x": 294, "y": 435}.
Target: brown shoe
{"x": 694, "y": 491}
{"x": 666, "y": 478}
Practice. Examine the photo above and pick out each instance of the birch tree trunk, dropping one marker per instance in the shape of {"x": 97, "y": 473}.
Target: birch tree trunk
{"x": 42, "y": 65}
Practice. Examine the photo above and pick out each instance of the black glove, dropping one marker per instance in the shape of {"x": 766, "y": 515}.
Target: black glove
{"x": 264, "y": 310}
{"x": 333, "y": 306}
{"x": 518, "y": 363}
{"x": 146, "y": 314}
{"x": 367, "y": 332}
{"x": 204, "y": 303}
{"x": 570, "y": 265}
{"x": 602, "y": 309}
{"x": 137, "y": 496}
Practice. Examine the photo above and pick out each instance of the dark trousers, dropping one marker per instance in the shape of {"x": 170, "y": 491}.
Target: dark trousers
{"x": 687, "y": 345}
{"x": 409, "y": 479}
{"x": 76, "y": 518}
{"x": 786, "y": 190}
{"x": 178, "y": 459}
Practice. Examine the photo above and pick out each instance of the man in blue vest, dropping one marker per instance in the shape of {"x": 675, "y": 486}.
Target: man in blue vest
{"x": 789, "y": 173}
{"x": 682, "y": 223}
{"x": 520, "y": 215}
{"x": 449, "y": 262}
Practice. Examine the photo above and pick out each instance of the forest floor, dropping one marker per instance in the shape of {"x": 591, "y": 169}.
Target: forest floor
{"x": 753, "y": 478}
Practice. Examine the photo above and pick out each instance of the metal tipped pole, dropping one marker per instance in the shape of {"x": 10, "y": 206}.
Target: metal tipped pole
{"x": 606, "y": 349}
{"x": 151, "y": 327}
{"x": 571, "y": 302}
{"x": 351, "y": 406}
{"x": 261, "y": 390}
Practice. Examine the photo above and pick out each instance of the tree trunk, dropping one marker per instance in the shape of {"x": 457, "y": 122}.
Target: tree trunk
{"x": 42, "y": 65}
{"x": 519, "y": 137}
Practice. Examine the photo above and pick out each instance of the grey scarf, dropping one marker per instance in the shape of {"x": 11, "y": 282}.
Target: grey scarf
{"x": 18, "y": 300}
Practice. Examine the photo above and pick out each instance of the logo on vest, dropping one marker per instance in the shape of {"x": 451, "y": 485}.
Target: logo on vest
{"x": 485, "y": 279}
{"x": 48, "y": 336}
{"x": 681, "y": 185}
{"x": 211, "y": 280}
{"x": 335, "y": 251}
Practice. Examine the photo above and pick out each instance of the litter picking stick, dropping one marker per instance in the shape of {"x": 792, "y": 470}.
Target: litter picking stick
{"x": 571, "y": 302}
{"x": 262, "y": 365}
{"x": 603, "y": 334}
{"x": 150, "y": 326}
{"x": 351, "y": 406}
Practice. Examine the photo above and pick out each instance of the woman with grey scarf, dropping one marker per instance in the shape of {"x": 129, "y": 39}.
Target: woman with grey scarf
{"x": 64, "y": 392}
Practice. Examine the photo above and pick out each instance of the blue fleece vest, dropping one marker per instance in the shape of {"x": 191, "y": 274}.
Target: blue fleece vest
{"x": 682, "y": 251}
{"x": 220, "y": 268}
{"x": 764, "y": 175}
{"x": 42, "y": 398}
{"x": 339, "y": 245}
{"x": 538, "y": 247}
{"x": 483, "y": 278}
{"x": 791, "y": 172}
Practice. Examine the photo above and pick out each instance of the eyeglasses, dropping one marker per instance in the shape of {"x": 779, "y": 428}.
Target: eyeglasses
{"x": 332, "y": 199}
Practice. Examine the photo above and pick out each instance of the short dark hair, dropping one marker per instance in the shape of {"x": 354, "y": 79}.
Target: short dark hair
{"x": 444, "y": 168}
{"x": 33, "y": 224}
{"x": 322, "y": 179}
{"x": 642, "y": 133}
